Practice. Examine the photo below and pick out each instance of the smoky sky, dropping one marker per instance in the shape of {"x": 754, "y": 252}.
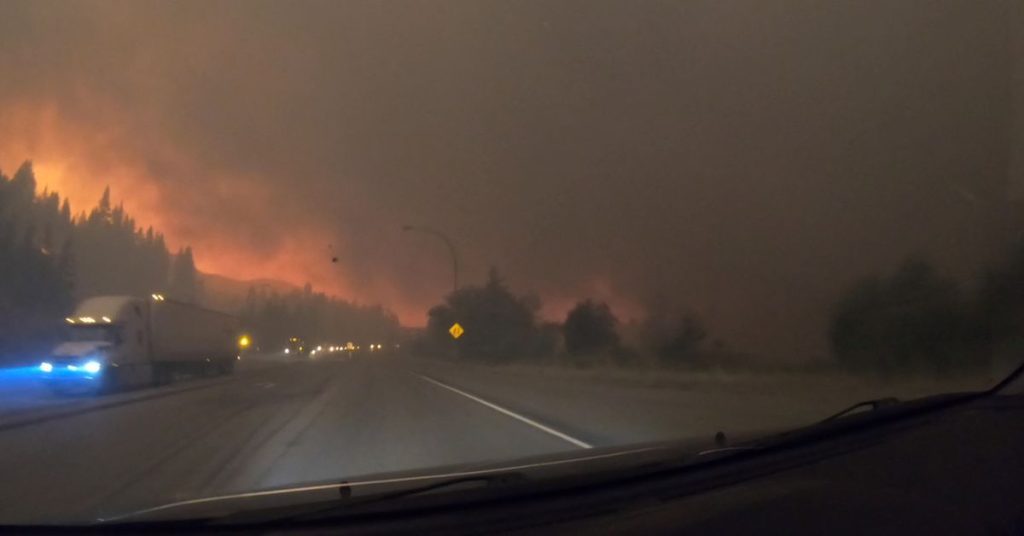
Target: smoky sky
{"x": 744, "y": 160}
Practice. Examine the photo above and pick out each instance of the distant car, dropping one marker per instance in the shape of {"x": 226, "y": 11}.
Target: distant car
{"x": 296, "y": 347}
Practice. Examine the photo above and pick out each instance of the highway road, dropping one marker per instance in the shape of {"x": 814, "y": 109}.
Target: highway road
{"x": 275, "y": 423}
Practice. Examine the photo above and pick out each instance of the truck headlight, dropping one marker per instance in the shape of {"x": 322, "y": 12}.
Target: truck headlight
{"x": 92, "y": 366}
{"x": 46, "y": 367}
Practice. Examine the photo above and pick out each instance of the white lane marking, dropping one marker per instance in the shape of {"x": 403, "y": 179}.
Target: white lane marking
{"x": 337, "y": 485}
{"x": 510, "y": 413}
{"x": 270, "y": 451}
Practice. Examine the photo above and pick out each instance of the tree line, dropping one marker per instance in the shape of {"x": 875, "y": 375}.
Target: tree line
{"x": 501, "y": 327}
{"x": 917, "y": 320}
{"x": 51, "y": 258}
{"x": 912, "y": 321}
{"x": 316, "y": 318}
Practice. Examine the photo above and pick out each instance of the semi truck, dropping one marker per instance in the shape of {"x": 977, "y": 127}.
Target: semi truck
{"x": 117, "y": 342}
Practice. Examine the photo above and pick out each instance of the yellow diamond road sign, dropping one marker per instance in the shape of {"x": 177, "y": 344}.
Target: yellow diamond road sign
{"x": 456, "y": 330}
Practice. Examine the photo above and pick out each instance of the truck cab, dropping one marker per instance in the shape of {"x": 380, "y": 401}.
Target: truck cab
{"x": 105, "y": 343}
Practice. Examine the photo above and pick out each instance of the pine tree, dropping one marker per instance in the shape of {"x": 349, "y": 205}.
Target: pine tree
{"x": 65, "y": 212}
{"x": 104, "y": 205}
{"x": 66, "y": 266}
{"x": 185, "y": 284}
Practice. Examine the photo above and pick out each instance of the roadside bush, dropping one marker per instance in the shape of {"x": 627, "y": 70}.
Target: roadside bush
{"x": 672, "y": 335}
{"x": 682, "y": 344}
{"x": 499, "y": 326}
{"x": 912, "y": 321}
{"x": 590, "y": 330}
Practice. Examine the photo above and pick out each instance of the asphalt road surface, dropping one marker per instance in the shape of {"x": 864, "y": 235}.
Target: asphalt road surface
{"x": 276, "y": 423}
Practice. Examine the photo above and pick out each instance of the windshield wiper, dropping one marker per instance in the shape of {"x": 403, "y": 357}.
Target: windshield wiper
{"x": 880, "y": 410}
{"x": 346, "y": 503}
{"x": 488, "y": 480}
{"x": 873, "y": 404}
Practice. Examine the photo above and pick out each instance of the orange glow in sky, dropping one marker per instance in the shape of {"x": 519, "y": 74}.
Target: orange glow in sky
{"x": 79, "y": 163}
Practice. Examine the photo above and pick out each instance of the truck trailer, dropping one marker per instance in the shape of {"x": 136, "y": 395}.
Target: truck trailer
{"x": 117, "y": 342}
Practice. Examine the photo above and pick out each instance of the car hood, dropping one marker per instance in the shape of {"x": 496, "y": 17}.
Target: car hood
{"x": 591, "y": 462}
{"x": 555, "y": 471}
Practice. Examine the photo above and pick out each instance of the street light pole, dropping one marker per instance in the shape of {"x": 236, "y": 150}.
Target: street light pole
{"x": 451, "y": 249}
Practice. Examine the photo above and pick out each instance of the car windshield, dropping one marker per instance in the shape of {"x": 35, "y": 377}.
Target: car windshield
{"x": 91, "y": 333}
{"x": 361, "y": 239}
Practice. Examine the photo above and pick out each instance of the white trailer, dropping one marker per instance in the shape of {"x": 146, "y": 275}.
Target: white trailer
{"x": 123, "y": 341}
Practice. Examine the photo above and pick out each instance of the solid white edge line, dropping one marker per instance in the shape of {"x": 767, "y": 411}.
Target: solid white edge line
{"x": 514, "y": 415}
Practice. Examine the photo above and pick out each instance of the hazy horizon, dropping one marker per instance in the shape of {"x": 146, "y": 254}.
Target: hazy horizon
{"x": 743, "y": 161}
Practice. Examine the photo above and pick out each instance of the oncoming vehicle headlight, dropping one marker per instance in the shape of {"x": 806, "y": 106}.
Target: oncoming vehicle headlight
{"x": 92, "y": 366}
{"x": 46, "y": 367}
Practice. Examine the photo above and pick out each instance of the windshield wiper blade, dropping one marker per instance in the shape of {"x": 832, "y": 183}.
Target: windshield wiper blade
{"x": 487, "y": 479}
{"x": 881, "y": 410}
{"x": 346, "y": 503}
{"x": 873, "y": 404}
{"x": 887, "y": 408}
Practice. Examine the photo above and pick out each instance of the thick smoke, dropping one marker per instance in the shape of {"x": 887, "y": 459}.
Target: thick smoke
{"x": 740, "y": 160}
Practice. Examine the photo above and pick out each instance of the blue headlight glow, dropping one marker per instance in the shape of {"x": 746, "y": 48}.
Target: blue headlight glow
{"x": 46, "y": 367}
{"x": 92, "y": 367}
